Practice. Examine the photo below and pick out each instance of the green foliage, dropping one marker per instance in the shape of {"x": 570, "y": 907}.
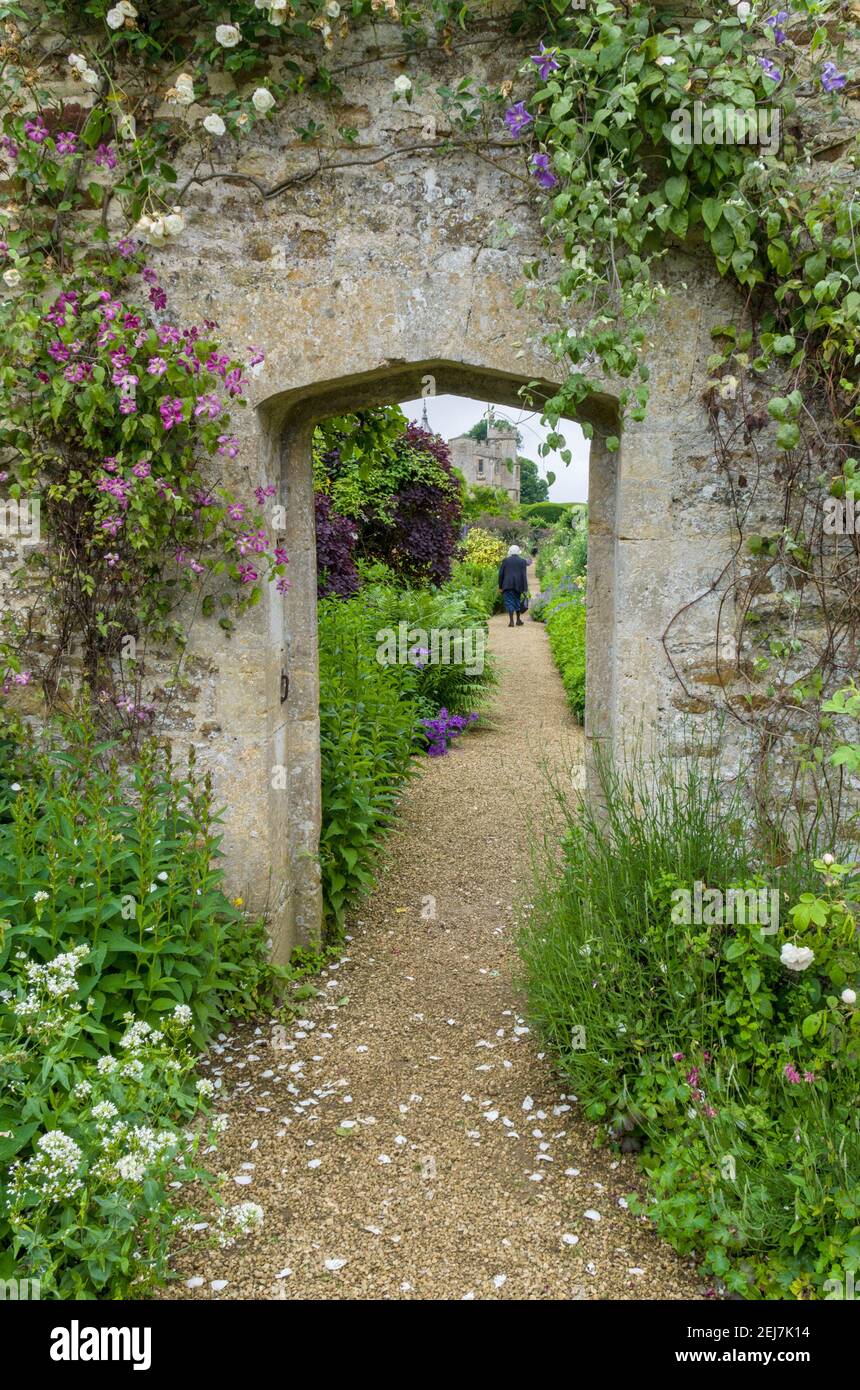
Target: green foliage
{"x": 368, "y": 717}
{"x": 96, "y": 1145}
{"x": 119, "y": 954}
{"x": 371, "y": 702}
{"x": 546, "y": 512}
{"x": 733, "y": 1075}
{"x": 565, "y": 625}
{"x": 125, "y": 861}
{"x": 533, "y": 488}
{"x": 480, "y": 500}
{"x": 482, "y": 548}
{"x": 482, "y": 584}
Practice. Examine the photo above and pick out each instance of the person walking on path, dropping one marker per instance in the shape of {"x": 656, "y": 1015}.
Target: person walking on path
{"x": 514, "y": 584}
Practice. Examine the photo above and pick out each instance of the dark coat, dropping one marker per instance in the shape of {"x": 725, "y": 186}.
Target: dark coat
{"x": 513, "y": 574}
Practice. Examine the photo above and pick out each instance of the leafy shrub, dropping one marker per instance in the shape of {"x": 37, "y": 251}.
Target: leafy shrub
{"x": 480, "y": 582}
{"x": 394, "y": 483}
{"x": 370, "y": 711}
{"x": 482, "y": 548}
{"x": 126, "y": 862}
{"x": 710, "y": 1046}
{"x": 546, "y": 511}
{"x": 94, "y": 1154}
{"x": 565, "y": 625}
{"x": 463, "y": 682}
{"x": 335, "y": 539}
{"x": 368, "y": 728}
{"x": 118, "y": 956}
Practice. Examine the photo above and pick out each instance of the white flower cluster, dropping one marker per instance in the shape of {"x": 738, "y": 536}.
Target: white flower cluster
{"x": 104, "y": 1112}
{"x": 205, "y": 1087}
{"x": 156, "y": 230}
{"x": 182, "y": 1014}
{"x": 237, "y": 1221}
{"x": 139, "y": 1035}
{"x": 81, "y": 68}
{"x": 141, "y": 1147}
{"x": 119, "y": 14}
{"x": 52, "y": 1172}
{"x": 54, "y": 981}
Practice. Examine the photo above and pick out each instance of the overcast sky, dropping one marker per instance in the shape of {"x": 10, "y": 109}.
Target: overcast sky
{"x": 452, "y": 415}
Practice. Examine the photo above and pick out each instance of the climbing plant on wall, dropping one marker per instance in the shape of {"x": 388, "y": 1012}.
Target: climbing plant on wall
{"x": 641, "y": 129}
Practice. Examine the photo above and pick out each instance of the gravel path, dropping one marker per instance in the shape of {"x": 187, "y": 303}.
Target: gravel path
{"x": 407, "y": 1139}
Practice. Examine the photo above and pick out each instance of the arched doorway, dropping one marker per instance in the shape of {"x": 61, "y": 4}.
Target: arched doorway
{"x": 288, "y": 422}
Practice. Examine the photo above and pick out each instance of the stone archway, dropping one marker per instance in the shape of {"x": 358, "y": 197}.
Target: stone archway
{"x": 341, "y": 336}
{"x": 288, "y": 421}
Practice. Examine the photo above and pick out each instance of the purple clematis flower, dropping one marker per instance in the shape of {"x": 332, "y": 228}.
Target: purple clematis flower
{"x": 517, "y": 118}
{"x": 831, "y": 79}
{"x": 770, "y": 69}
{"x": 775, "y": 22}
{"x": 545, "y": 61}
{"x": 542, "y": 172}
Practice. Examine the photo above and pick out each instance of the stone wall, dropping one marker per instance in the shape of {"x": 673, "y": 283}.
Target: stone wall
{"x": 388, "y": 276}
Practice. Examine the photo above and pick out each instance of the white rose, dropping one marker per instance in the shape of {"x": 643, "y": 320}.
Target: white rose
{"x": 262, "y": 100}
{"x": 90, "y": 77}
{"x": 174, "y": 223}
{"x": 115, "y": 18}
{"x": 77, "y": 62}
{"x": 214, "y": 124}
{"x": 402, "y": 84}
{"x": 280, "y": 6}
{"x": 227, "y": 35}
{"x": 743, "y": 9}
{"x": 332, "y": 9}
{"x": 796, "y": 957}
{"x": 848, "y": 996}
{"x": 12, "y": 278}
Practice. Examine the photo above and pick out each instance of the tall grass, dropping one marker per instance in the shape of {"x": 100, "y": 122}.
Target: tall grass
{"x": 690, "y": 1041}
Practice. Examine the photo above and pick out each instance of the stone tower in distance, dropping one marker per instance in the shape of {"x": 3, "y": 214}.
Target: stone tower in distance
{"x": 490, "y": 462}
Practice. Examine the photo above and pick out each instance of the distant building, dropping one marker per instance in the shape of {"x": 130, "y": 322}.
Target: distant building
{"x": 490, "y": 462}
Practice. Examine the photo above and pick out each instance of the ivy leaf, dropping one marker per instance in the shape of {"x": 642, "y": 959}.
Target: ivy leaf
{"x": 787, "y": 436}
{"x": 712, "y": 211}
{"x": 676, "y": 189}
